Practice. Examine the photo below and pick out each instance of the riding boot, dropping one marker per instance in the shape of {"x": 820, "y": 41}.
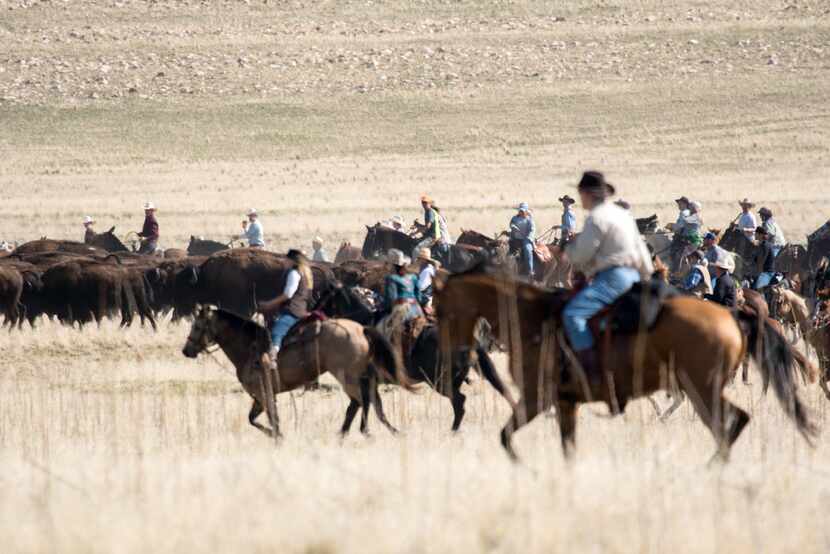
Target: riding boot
{"x": 589, "y": 360}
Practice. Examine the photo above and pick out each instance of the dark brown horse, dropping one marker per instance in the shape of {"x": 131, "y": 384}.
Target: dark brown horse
{"x": 693, "y": 343}
{"x": 353, "y": 354}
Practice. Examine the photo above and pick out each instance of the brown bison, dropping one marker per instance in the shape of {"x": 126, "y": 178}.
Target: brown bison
{"x": 51, "y": 245}
{"x": 235, "y": 280}
{"x": 11, "y": 289}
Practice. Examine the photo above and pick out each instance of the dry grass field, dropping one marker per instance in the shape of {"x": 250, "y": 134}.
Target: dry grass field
{"x": 330, "y": 115}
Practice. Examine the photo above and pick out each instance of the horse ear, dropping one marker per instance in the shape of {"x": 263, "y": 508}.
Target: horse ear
{"x": 368, "y": 228}
{"x": 112, "y": 229}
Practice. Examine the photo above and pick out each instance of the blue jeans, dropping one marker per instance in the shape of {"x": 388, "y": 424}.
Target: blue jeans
{"x": 280, "y": 328}
{"x": 763, "y": 280}
{"x": 605, "y": 288}
{"x": 527, "y": 256}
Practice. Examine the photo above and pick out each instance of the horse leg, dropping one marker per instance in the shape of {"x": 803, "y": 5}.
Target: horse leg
{"x": 365, "y": 401}
{"x": 725, "y": 420}
{"x": 567, "y": 427}
{"x": 677, "y": 401}
{"x": 256, "y": 410}
{"x": 656, "y": 407}
{"x": 523, "y": 413}
{"x": 351, "y": 412}
{"x": 378, "y": 404}
{"x": 458, "y": 400}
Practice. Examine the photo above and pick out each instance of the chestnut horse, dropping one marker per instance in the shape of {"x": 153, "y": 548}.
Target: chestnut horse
{"x": 697, "y": 345}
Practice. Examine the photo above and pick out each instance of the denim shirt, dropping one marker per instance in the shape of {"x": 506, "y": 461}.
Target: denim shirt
{"x": 523, "y": 228}
{"x": 401, "y": 287}
{"x": 568, "y": 222}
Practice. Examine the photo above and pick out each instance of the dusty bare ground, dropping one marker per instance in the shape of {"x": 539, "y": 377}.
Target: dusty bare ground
{"x": 330, "y": 115}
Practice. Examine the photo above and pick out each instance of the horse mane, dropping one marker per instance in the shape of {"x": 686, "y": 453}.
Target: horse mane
{"x": 253, "y": 330}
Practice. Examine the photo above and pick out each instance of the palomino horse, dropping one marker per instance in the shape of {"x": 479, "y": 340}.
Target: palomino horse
{"x": 697, "y": 344}
{"x": 349, "y": 351}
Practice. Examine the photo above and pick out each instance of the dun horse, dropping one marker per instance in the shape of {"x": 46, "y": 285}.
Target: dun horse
{"x": 693, "y": 343}
{"x": 353, "y": 354}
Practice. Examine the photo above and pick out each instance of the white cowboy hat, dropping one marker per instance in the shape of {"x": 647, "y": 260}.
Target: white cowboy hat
{"x": 425, "y": 255}
{"x": 746, "y": 202}
{"x": 149, "y": 206}
{"x": 317, "y": 240}
{"x": 724, "y": 261}
{"x": 251, "y": 211}
{"x": 523, "y": 207}
{"x": 398, "y": 258}
{"x": 397, "y": 219}
{"x": 88, "y": 219}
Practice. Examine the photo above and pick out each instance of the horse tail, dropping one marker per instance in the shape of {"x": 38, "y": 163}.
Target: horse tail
{"x": 382, "y": 355}
{"x": 778, "y": 360}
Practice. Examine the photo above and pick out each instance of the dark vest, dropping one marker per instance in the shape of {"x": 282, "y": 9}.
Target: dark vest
{"x": 298, "y": 305}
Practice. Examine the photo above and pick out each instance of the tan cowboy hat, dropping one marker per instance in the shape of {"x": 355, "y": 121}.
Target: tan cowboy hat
{"x": 397, "y": 258}
{"x": 88, "y": 220}
{"x": 251, "y": 211}
{"x": 149, "y": 206}
{"x": 425, "y": 255}
{"x": 427, "y": 198}
{"x": 746, "y": 202}
{"x": 317, "y": 240}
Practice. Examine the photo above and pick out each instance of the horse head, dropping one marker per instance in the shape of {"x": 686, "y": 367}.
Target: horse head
{"x": 202, "y": 332}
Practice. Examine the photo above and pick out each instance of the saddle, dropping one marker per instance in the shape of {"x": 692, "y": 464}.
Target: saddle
{"x": 412, "y": 329}
{"x": 637, "y": 309}
{"x": 295, "y": 334}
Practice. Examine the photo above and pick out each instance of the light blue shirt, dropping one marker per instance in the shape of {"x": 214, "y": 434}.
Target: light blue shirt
{"x": 568, "y": 222}
{"x": 523, "y": 228}
{"x": 253, "y": 234}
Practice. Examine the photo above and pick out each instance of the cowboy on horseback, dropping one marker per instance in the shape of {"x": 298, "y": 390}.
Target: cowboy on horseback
{"x": 89, "y": 232}
{"x": 612, "y": 255}
{"x": 523, "y": 237}
{"x": 252, "y": 230}
{"x": 150, "y": 231}
{"x": 292, "y": 304}
{"x": 568, "y": 226}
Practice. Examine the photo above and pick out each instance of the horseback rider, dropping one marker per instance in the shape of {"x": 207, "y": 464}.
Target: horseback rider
{"x": 523, "y": 237}
{"x": 427, "y": 267}
{"x": 568, "y": 227}
{"x": 698, "y": 281}
{"x": 692, "y": 226}
{"x": 724, "y": 291}
{"x": 746, "y": 221}
{"x": 713, "y": 251}
{"x": 774, "y": 234}
{"x": 89, "y": 232}
{"x": 252, "y": 230}
{"x": 682, "y": 213}
{"x": 320, "y": 255}
{"x": 292, "y": 305}
{"x": 445, "y": 239}
{"x": 432, "y": 226}
{"x": 401, "y": 287}
{"x": 612, "y": 253}
{"x": 150, "y": 231}
{"x": 764, "y": 258}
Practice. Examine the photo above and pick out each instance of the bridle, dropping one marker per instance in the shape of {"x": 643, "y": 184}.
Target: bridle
{"x": 207, "y": 337}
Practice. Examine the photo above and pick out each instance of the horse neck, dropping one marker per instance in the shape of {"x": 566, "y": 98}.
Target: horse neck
{"x": 234, "y": 344}
{"x": 798, "y": 307}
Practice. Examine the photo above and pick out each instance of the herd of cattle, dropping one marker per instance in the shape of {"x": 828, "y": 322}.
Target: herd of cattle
{"x": 80, "y": 283}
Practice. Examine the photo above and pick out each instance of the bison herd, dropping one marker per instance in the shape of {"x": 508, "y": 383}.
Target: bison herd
{"x": 78, "y": 284}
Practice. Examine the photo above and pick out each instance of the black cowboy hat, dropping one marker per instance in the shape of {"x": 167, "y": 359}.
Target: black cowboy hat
{"x": 765, "y": 212}
{"x": 594, "y": 182}
{"x": 623, "y": 204}
{"x": 567, "y": 200}
{"x": 296, "y": 256}
{"x": 682, "y": 199}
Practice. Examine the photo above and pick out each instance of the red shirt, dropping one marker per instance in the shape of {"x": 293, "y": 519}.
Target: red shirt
{"x": 150, "y": 230}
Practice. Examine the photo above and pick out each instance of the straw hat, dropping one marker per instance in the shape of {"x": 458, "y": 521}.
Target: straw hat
{"x": 397, "y": 258}
{"x": 746, "y": 202}
{"x": 425, "y": 255}
{"x": 88, "y": 220}
{"x": 427, "y": 198}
